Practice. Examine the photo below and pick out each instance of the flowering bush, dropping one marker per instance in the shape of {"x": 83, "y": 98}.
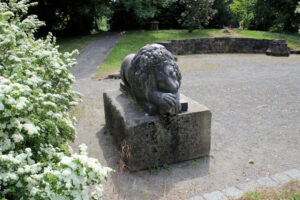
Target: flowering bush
{"x": 36, "y": 161}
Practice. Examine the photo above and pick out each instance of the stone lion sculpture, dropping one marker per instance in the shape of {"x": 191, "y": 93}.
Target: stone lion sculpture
{"x": 152, "y": 77}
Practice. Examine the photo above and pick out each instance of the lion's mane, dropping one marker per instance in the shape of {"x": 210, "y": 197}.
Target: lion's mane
{"x": 145, "y": 64}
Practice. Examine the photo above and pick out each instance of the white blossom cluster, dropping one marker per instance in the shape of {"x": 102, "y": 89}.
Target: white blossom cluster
{"x": 35, "y": 128}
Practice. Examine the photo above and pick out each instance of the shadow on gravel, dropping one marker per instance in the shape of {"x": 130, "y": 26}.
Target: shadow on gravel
{"x": 152, "y": 183}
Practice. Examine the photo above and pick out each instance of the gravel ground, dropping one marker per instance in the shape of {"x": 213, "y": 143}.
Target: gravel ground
{"x": 255, "y": 104}
{"x": 91, "y": 57}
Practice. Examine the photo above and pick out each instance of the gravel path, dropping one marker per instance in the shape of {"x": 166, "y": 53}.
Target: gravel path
{"x": 92, "y": 55}
{"x": 255, "y": 103}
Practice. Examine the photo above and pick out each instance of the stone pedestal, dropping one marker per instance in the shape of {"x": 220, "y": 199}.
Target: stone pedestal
{"x": 147, "y": 141}
{"x": 278, "y": 48}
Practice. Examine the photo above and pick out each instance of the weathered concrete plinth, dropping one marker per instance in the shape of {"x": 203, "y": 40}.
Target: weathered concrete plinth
{"x": 278, "y": 48}
{"x": 146, "y": 141}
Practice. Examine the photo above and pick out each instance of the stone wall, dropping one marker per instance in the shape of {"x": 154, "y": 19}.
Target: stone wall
{"x": 227, "y": 45}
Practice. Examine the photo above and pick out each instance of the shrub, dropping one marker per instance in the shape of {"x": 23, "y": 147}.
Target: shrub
{"x": 36, "y": 161}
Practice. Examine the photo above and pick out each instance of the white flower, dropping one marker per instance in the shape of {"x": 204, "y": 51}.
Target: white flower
{"x": 2, "y": 126}
{"x": 66, "y": 160}
{"x": 27, "y": 169}
{"x": 6, "y": 144}
{"x": 16, "y": 124}
{"x": 10, "y": 100}
{"x": 28, "y": 98}
{"x": 17, "y": 137}
{"x": 21, "y": 103}
{"x": 67, "y": 172}
{"x": 19, "y": 184}
{"x": 83, "y": 149}
{"x": 33, "y": 191}
{"x": 12, "y": 176}
{"x": 28, "y": 151}
{"x": 31, "y": 128}
{"x": 21, "y": 170}
{"x": 34, "y": 80}
{"x": 48, "y": 103}
{"x": 1, "y": 106}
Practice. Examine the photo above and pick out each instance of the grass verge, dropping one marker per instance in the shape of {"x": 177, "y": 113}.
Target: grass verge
{"x": 133, "y": 40}
{"x": 79, "y": 42}
{"x": 293, "y": 40}
{"x": 290, "y": 191}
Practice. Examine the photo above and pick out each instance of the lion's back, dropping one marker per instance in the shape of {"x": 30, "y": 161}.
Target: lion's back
{"x": 126, "y": 69}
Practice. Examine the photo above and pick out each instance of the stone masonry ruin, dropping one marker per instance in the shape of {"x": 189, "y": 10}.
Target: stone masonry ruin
{"x": 227, "y": 45}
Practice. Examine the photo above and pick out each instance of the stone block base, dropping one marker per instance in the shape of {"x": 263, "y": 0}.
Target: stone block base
{"x": 147, "y": 141}
{"x": 278, "y": 48}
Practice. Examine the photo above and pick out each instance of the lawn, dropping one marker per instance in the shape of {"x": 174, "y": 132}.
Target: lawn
{"x": 293, "y": 40}
{"x": 131, "y": 41}
{"x": 290, "y": 191}
{"x": 79, "y": 42}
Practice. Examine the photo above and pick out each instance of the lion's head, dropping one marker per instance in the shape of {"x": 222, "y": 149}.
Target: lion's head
{"x": 155, "y": 68}
{"x": 153, "y": 78}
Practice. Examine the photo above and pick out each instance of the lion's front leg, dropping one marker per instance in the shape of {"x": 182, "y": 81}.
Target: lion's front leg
{"x": 173, "y": 108}
{"x": 167, "y": 103}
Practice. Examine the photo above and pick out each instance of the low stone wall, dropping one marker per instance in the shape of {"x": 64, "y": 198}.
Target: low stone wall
{"x": 227, "y": 45}
{"x": 294, "y": 52}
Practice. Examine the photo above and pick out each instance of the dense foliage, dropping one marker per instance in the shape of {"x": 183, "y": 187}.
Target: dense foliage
{"x": 243, "y": 11}
{"x": 72, "y": 17}
{"x": 272, "y": 15}
{"x": 197, "y": 13}
{"x": 223, "y": 15}
{"x": 35, "y": 127}
{"x": 135, "y": 14}
{"x": 297, "y": 11}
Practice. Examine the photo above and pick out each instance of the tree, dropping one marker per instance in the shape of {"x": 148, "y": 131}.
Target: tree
{"x": 196, "y": 13}
{"x": 71, "y": 17}
{"x": 134, "y": 14}
{"x": 263, "y": 15}
{"x": 276, "y": 15}
{"x": 243, "y": 11}
{"x": 297, "y": 11}
{"x": 268, "y": 15}
{"x": 223, "y": 16}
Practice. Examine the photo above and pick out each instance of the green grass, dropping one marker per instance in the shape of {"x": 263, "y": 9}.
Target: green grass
{"x": 293, "y": 40}
{"x": 133, "y": 40}
{"x": 290, "y": 191}
{"x": 70, "y": 43}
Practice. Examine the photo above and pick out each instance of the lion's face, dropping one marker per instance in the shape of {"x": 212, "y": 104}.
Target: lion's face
{"x": 167, "y": 79}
